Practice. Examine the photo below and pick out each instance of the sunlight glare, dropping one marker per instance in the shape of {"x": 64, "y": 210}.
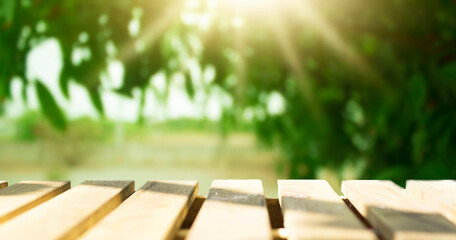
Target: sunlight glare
{"x": 252, "y": 4}
{"x": 309, "y": 14}
{"x": 237, "y": 22}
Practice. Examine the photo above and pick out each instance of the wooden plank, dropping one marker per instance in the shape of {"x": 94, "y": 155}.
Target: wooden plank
{"x": 234, "y": 209}
{"x": 69, "y": 214}
{"x": 25, "y": 195}
{"x": 277, "y": 233}
{"x": 441, "y": 194}
{"x": 395, "y": 213}
{"x": 156, "y": 211}
{"x": 3, "y": 184}
{"x": 312, "y": 210}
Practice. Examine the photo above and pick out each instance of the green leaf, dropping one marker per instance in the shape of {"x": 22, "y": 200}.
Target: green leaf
{"x": 369, "y": 44}
{"x": 64, "y": 85}
{"x": 7, "y": 9}
{"x": 448, "y": 71}
{"x": 189, "y": 85}
{"x": 142, "y": 103}
{"x": 49, "y": 107}
{"x": 95, "y": 97}
{"x": 67, "y": 68}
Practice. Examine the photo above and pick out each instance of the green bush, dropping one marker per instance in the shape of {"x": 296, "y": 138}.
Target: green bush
{"x": 366, "y": 84}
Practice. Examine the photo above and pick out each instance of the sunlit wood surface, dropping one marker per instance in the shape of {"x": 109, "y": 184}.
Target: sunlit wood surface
{"x": 154, "y": 212}
{"x": 70, "y": 213}
{"x": 3, "y": 184}
{"x": 25, "y": 195}
{"x": 312, "y": 210}
{"x": 396, "y": 213}
{"x": 233, "y": 209}
{"x": 440, "y": 194}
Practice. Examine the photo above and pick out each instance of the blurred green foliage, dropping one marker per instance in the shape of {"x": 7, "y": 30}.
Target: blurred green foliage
{"x": 366, "y": 84}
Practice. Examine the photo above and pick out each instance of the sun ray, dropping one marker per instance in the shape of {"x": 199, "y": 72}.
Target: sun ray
{"x": 241, "y": 64}
{"x": 282, "y": 36}
{"x": 309, "y": 14}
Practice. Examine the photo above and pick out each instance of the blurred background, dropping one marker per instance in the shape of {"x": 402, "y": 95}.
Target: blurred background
{"x": 211, "y": 89}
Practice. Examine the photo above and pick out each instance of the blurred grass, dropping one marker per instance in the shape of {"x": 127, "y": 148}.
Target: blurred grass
{"x": 90, "y": 149}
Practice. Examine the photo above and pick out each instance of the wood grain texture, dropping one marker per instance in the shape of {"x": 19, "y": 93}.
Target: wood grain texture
{"x": 441, "y": 194}
{"x": 395, "y": 213}
{"x": 3, "y": 184}
{"x": 312, "y": 210}
{"x": 25, "y": 195}
{"x": 156, "y": 211}
{"x": 234, "y": 209}
{"x": 69, "y": 214}
{"x": 277, "y": 233}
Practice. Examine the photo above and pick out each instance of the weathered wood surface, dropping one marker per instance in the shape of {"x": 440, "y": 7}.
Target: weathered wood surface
{"x": 312, "y": 210}
{"x": 156, "y": 211}
{"x": 395, "y": 213}
{"x": 441, "y": 194}
{"x": 3, "y": 184}
{"x": 69, "y": 214}
{"x": 234, "y": 209}
{"x": 25, "y": 195}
